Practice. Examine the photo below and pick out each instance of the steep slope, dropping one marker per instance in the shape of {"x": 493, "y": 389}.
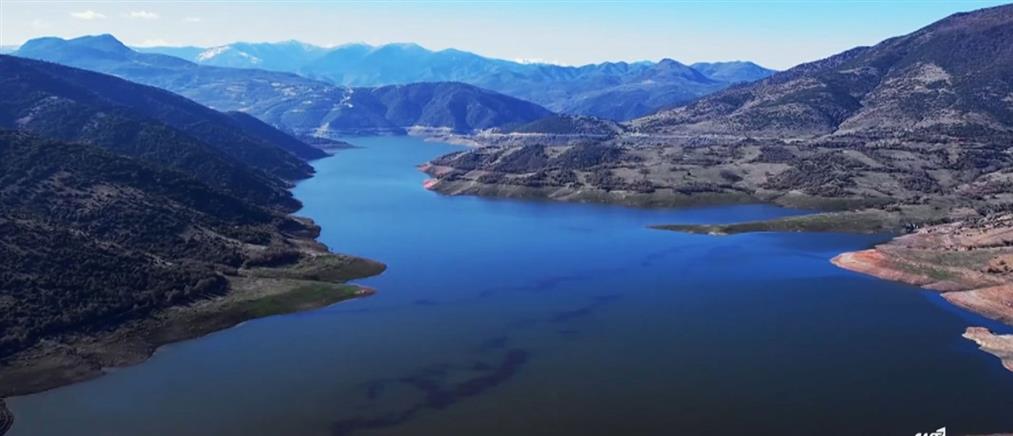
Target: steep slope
{"x": 297, "y": 147}
{"x": 949, "y": 76}
{"x": 615, "y": 90}
{"x": 297, "y": 104}
{"x": 49, "y": 100}
{"x": 43, "y": 84}
{"x": 457, "y": 106}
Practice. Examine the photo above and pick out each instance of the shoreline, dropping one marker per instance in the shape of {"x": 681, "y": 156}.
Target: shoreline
{"x": 991, "y": 298}
{"x": 902, "y": 260}
{"x": 657, "y": 198}
{"x": 317, "y": 278}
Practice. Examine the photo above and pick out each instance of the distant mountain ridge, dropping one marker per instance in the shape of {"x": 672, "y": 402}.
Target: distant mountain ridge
{"x": 298, "y": 104}
{"x": 943, "y": 79}
{"x": 922, "y": 121}
{"x": 614, "y": 90}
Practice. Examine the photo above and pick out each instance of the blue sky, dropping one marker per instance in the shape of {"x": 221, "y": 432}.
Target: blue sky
{"x": 777, "y": 34}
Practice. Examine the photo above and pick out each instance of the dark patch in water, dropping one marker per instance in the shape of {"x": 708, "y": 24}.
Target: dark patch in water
{"x": 481, "y": 366}
{"x": 549, "y": 283}
{"x": 521, "y": 322}
{"x": 495, "y": 343}
{"x": 438, "y": 394}
{"x": 651, "y": 258}
{"x": 374, "y": 390}
{"x": 567, "y": 315}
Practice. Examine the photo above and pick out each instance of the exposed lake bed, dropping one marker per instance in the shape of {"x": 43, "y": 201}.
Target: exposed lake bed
{"x": 508, "y": 317}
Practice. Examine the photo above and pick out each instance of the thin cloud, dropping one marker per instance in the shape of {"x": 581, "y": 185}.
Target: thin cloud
{"x": 191, "y": 20}
{"x": 41, "y": 24}
{"x": 143, "y": 15}
{"x": 88, "y": 15}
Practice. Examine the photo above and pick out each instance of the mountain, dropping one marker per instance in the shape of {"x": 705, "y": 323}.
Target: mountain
{"x": 904, "y": 124}
{"x": 615, "y": 90}
{"x": 247, "y": 160}
{"x": 901, "y": 86}
{"x": 175, "y": 111}
{"x": 130, "y": 240}
{"x": 282, "y": 56}
{"x": 164, "y": 219}
{"x": 294, "y": 103}
{"x": 458, "y": 107}
{"x": 732, "y": 72}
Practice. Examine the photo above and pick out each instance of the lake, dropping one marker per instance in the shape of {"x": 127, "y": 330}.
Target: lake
{"x": 507, "y": 317}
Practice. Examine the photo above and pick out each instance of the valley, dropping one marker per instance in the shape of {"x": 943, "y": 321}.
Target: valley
{"x": 590, "y": 249}
{"x": 453, "y": 340}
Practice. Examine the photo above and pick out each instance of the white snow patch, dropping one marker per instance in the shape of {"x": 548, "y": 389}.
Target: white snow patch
{"x": 212, "y": 52}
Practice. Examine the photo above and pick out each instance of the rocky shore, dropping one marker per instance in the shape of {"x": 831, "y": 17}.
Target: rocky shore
{"x": 999, "y": 345}
{"x": 970, "y": 262}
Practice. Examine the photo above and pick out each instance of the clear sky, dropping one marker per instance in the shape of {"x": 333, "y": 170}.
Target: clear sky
{"x": 776, "y": 34}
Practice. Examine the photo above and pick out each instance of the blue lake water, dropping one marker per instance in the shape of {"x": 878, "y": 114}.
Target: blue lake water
{"x": 505, "y": 317}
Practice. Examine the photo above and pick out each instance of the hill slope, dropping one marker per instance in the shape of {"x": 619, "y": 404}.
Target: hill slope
{"x": 151, "y": 209}
{"x": 75, "y": 105}
{"x": 128, "y": 239}
{"x": 905, "y": 121}
{"x": 43, "y": 85}
{"x": 916, "y": 82}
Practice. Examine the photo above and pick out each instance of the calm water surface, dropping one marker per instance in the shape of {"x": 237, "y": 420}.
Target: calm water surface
{"x": 502, "y": 317}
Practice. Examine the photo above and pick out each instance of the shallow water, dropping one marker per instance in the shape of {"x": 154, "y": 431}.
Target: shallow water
{"x": 503, "y": 317}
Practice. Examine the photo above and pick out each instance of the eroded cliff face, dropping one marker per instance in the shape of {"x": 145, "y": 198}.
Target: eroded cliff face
{"x": 970, "y": 262}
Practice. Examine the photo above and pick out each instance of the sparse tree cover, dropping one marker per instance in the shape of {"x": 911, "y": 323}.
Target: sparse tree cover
{"x": 917, "y": 119}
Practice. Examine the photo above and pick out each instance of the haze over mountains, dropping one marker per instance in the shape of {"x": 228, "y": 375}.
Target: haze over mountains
{"x": 296, "y": 103}
{"x": 613, "y": 90}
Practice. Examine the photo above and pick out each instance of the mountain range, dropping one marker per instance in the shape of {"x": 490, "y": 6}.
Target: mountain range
{"x": 166, "y": 218}
{"x": 613, "y": 90}
{"x": 295, "y": 103}
{"x": 918, "y": 120}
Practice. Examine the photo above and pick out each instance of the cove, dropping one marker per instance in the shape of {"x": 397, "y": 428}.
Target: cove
{"x": 507, "y": 317}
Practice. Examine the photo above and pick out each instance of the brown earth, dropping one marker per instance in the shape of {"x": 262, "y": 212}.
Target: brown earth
{"x": 967, "y": 261}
